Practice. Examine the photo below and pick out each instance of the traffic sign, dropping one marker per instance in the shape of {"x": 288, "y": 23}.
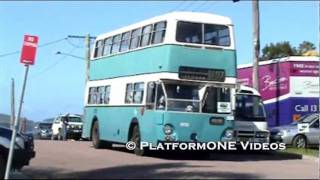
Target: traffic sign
{"x": 29, "y": 49}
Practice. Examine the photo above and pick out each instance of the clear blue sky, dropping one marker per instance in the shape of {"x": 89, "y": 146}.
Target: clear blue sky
{"x": 56, "y": 83}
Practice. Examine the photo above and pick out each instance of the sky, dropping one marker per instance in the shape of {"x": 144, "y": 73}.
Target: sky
{"x": 56, "y": 82}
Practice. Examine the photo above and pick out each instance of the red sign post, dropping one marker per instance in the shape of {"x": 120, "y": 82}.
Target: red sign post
{"x": 29, "y": 49}
{"x": 28, "y": 55}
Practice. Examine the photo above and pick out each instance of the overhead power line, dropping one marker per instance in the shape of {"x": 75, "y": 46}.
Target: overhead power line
{"x": 190, "y": 5}
{"x": 178, "y": 6}
{"x": 52, "y": 65}
{"x": 200, "y": 6}
{"x": 42, "y": 45}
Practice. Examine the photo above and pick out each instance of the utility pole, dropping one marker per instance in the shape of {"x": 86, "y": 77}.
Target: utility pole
{"x": 16, "y": 125}
{"x": 87, "y": 39}
{"x": 256, "y": 44}
{"x": 12, "y": 105}
{"x": 319, "y": 88}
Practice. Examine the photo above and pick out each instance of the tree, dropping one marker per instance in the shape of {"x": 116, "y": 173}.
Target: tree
{"x": 278, "y": 50}
{"x": 305, "y": 47}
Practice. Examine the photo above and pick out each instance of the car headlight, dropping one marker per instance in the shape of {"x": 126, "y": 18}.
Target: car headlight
{"x": 229, "y": 133}
{"x": 283, "y": 132}
{"x": 20, "y": 142}
{"x": 168, "y": 129}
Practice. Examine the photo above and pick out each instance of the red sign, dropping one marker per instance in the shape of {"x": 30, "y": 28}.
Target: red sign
{"x": 29, "y": 49}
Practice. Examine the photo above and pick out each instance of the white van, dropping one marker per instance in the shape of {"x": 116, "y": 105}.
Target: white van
{"x": 250, "y": 116}
{"x": 74, "y": 127}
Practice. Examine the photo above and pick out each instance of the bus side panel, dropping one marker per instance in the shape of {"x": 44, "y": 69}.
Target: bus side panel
{"x": 114, "y": 123}
{"x": 203, "y": 58}
{"x": 163, "y": 58}
{"x": 142, "y": 61}
{"x": 151, "y": 126}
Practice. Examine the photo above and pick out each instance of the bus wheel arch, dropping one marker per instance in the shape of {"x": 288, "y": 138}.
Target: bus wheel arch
{"x": 133, "y": 123}
{"x": 135, "y": 136}
{"x": 94, "y": 119}
{"x": 97, "y": 142}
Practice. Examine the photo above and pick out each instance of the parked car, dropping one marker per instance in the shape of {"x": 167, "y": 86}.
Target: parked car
{"x": 74, "y": 127}
{"x": 43, "y": 130}
{"x": 293, "y": 135}
{"x": 24, "y": 150}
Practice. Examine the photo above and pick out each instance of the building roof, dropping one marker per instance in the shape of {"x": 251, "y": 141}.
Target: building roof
{"x": 285, "y": 59}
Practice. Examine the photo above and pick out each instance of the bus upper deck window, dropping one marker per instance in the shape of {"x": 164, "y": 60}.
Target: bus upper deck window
{"x": 115, "y": 44}
{"x": 98, "y": 48}
{"x": 135, "y": 37}
{"x": 159, "y": 32}
{"x": 189, "y": 32}
{"x": 145, "y": 37}
{"x": 107, "y": 46}
{"x": 216, "y": 35}
{"x": 124, "y": 45}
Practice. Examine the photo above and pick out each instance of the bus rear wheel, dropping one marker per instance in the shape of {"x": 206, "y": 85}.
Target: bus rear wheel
{"x": 96, "y": 141}
{"x": 136, "y": 138}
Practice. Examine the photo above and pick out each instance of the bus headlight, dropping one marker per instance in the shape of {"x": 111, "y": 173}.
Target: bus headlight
{"x": 168, "y": 129}
{"x": 228, "y": 133}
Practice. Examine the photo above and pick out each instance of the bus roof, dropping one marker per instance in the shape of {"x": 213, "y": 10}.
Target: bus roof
{"x": 183, "y": 16}
{"x": 248, "y": 90}
{"x": 285, "y": 59}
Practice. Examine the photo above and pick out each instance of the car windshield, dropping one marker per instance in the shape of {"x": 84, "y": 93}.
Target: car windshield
{"x": 306, "y": 119}
{"x": 249, "y": 108}
{"x": 45, "y": 125}
{"x": 74, "y": 119}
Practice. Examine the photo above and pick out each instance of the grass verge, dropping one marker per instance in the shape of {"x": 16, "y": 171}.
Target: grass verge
{"x": 307, "y": 151}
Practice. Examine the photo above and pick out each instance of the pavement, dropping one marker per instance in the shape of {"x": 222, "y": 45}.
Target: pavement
{"x": 78, "y": 159}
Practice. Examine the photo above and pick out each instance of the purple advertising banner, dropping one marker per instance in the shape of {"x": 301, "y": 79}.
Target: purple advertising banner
{"x": 304, "y": 68}
{"x": 270, "y": 85}
{"x": 274, "y": 82}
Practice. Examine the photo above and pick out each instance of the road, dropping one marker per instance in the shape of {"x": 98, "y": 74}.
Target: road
{"x": 77, "y": 159}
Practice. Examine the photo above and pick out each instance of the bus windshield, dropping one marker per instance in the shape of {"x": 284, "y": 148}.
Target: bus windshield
{"x": 249, "y": 108}
{"x": 183, "y": 97}
{"x": 196, "y": 98}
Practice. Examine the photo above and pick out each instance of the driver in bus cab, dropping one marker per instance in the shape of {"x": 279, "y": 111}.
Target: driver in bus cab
{"x": 161, "y": 103}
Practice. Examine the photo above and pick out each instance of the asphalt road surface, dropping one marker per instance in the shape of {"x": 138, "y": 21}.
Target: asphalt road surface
{"x": 77, "y": 159}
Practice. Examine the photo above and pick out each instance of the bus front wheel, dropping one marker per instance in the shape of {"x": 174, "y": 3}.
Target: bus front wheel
{"x": 136, "y": 138}
{"x": 96, "y": 141}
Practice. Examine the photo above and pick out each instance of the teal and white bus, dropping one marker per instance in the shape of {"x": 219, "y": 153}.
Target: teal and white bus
{"x": 166, "y": 79}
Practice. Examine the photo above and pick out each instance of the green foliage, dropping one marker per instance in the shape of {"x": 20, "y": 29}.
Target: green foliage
{"x": 305, "y": 46}
{"x": 284, "y": 49}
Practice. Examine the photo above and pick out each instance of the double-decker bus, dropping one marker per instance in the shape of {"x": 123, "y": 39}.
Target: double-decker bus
{"x": 166, "y": 79}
